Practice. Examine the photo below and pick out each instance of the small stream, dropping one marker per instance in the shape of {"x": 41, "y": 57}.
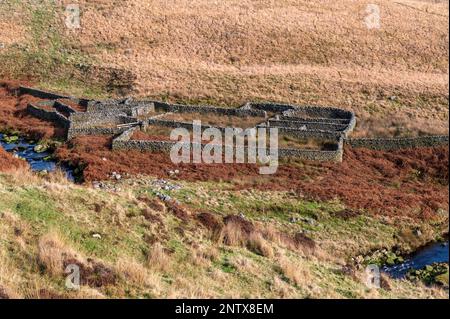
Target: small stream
{"x": 38, "y": 161}
{"x": 434, "y": 253}
{"x": 42, "y": 161}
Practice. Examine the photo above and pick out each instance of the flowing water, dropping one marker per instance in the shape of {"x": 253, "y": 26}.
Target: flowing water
{"x": 38, "y": 161}
{"x": 41, "y": 161}
{"x": 434, "y": 253}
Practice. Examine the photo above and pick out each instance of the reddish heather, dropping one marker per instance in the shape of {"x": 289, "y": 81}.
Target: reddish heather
{"x": 9, "y": 163}
{"x": 408, "y": 182}
{"x": 13, "y": 114}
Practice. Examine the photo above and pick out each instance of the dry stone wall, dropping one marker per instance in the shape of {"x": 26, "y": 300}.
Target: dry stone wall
{"x": 63, "y": 108}
{"x": 124, "y": 142}
{"x": 120, "y": 117}
{"x": 52, "y": 116}
{"x": 306, "y": 125}
{"x": 41, "y": 94}
{"x": 206, "y": 109}
{"x": 398, "y": 143}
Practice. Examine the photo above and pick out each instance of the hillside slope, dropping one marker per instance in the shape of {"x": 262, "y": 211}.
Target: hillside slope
{"x": 224, "y": 231}
{"x": 130, "y": 244}
{"x": 320, "y": 52}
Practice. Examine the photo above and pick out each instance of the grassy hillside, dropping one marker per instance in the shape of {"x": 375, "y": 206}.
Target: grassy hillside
{"x": 224, "y": 230}
{"x": 130, "y": 244}
{"x": 320, "y": 52}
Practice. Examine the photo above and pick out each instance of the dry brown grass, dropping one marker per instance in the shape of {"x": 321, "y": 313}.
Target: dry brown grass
{"x": 135, "y": 272}
{"x": 316, "y": 52}
{"x": 294, "y": 272}
{"x": 282, "y": 288}
{"x": 157, "y": 258}
{"x": 8, "y": 277}
{"x": 314, "y": 144}
{"x": 233, "y": 235}
{"x": 203, "y": 256}
{"x": 156, "y": 132}
{"x": 23, "y": 176}
{"x": 132, "y": 270}
{"x": 53, "y": 252}
{"x": 245, "y": 265}
{"x": 306, "y": 52}
{"x": 16, "y": 31}
{"x": 259, "y": 245}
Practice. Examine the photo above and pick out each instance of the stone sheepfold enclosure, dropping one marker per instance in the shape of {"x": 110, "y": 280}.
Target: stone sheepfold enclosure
{"x": 328, "y": 127}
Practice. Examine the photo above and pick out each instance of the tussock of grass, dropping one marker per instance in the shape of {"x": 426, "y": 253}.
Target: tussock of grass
{"x": 53, "y": 252}
{"x": 157, "y": 258}
{"x": 233, "y": 235}
{"x": 135, "y": 272}
{"x": 258, "y": 245}
{"x": 297, "y": 274}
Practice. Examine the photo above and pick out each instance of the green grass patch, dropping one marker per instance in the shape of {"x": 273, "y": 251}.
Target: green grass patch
{"x": 48, "y": 55}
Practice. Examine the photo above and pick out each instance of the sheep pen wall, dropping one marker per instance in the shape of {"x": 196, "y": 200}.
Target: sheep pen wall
{"x": 121, "y": 118}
